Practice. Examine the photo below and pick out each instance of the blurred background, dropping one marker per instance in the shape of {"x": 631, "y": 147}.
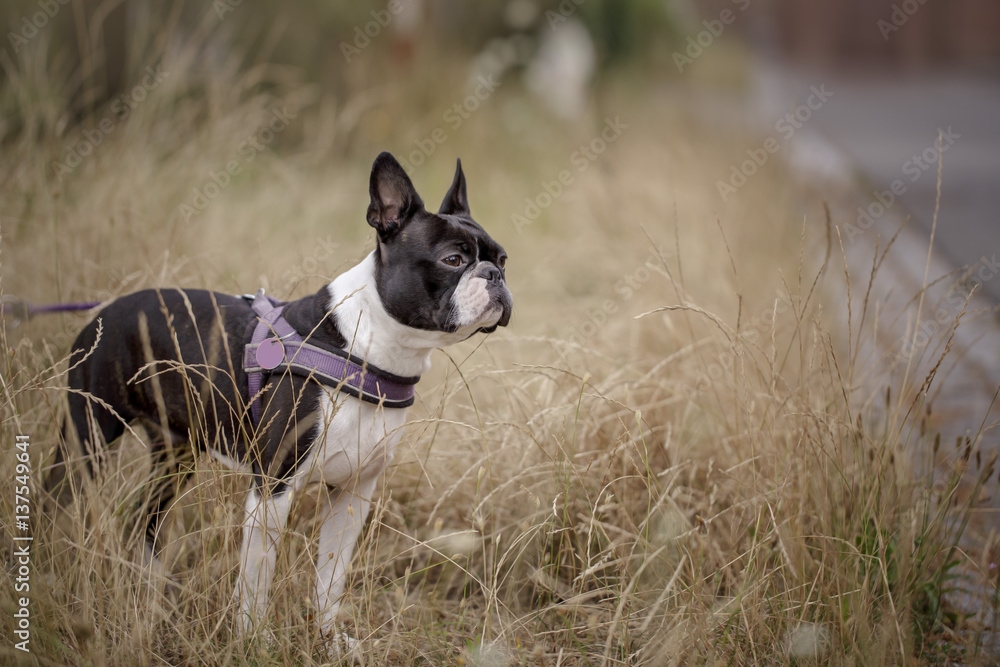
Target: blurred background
{"x": 856, "y": 101}
{"x": 899, "y": 71}
{"x": 644, "y": 162}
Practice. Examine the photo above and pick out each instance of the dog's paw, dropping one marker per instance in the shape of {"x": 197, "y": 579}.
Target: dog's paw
{"x": 157, "y": 574}
{"x": 341, "y": 645}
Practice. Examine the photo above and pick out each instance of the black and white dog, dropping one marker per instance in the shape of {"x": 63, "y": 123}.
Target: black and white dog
{"x": 257, "y": 384}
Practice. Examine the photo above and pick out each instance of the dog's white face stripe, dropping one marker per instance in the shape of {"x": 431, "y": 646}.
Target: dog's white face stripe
{"x": 471, "y": 303}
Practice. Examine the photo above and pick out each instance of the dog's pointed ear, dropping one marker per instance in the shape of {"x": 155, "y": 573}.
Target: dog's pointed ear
{"x": 394, "y": 200}
{"x": 455, "y": 202}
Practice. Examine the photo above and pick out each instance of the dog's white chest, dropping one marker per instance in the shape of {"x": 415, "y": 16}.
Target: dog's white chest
{"x": 354, "y": 436}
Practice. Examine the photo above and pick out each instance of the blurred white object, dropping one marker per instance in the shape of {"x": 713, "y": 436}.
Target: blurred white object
{"x": 499, "y": 55}
{"x": 814, "y": 157}
{"x": 806, "y": 641}
{"x": 410, "y": 18}
{"x": 561, "y": 72}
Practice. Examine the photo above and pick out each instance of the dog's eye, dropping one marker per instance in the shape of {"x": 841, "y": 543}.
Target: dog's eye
{"x": 501, "y": 261}
{"x": 453, "y": 260}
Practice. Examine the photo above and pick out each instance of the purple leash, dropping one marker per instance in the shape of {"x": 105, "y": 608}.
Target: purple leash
{"x": 23, "y": 310}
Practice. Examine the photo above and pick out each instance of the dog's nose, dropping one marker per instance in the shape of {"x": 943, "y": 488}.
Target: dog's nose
{"x": 490, "y": 273}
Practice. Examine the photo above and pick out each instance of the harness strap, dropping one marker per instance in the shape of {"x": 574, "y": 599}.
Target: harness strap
{"x": 275, "y": 346}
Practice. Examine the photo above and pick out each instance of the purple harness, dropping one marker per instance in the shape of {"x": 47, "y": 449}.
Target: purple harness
{"x": 275, "y": 346}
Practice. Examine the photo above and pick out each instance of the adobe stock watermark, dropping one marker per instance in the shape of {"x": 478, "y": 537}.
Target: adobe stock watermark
{"x": 323, "y": 250}
{"x": 914, "y": 168}
{"x": 562, "y": 13}
{"x": 363, "y": 36}
{"x": 22, "y": 541}
{"x": 626, "y": 288}
{"x": 786, "y": 127}
{"x": 223, "y": 7}
{"x": 30, "y": 26}
{"x": 697, "y": 44}
{"x": 901, "y": 13}
{"x": 757, "y": 325}
{"x": 944, "y": 317}
{"x": 119, "y": 110}
{"x": 454, "y": 117}
{"x": 248, "y": 150}
{"x": 580, "y": 159}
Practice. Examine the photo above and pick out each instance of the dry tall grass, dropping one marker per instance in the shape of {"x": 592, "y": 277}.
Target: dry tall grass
{"x": 669, "y": 457}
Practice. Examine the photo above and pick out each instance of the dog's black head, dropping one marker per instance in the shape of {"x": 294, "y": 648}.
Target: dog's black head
{"x": 436, "y": 271}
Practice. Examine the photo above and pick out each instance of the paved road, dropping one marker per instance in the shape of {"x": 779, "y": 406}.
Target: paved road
{"x": 887, "y": 125}
{"x": 886, "y": 129}
{"x": 880, "y": 128}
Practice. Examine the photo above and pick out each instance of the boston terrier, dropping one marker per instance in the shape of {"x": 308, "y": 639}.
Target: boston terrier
{"x": 257, "y": 383}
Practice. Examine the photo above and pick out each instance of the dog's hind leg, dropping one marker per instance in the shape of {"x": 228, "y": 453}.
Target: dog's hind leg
{"x": 344, "y": 517}
{"x": 87, "y": 427}
{"x": 56, "y": 477}
{"x": 266, "y": 516}
{"x": 171, "y": 466}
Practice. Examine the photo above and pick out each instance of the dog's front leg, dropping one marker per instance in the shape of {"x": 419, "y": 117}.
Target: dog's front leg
{"x": 266, "y": 516}
{"x": 347, "y": 507}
